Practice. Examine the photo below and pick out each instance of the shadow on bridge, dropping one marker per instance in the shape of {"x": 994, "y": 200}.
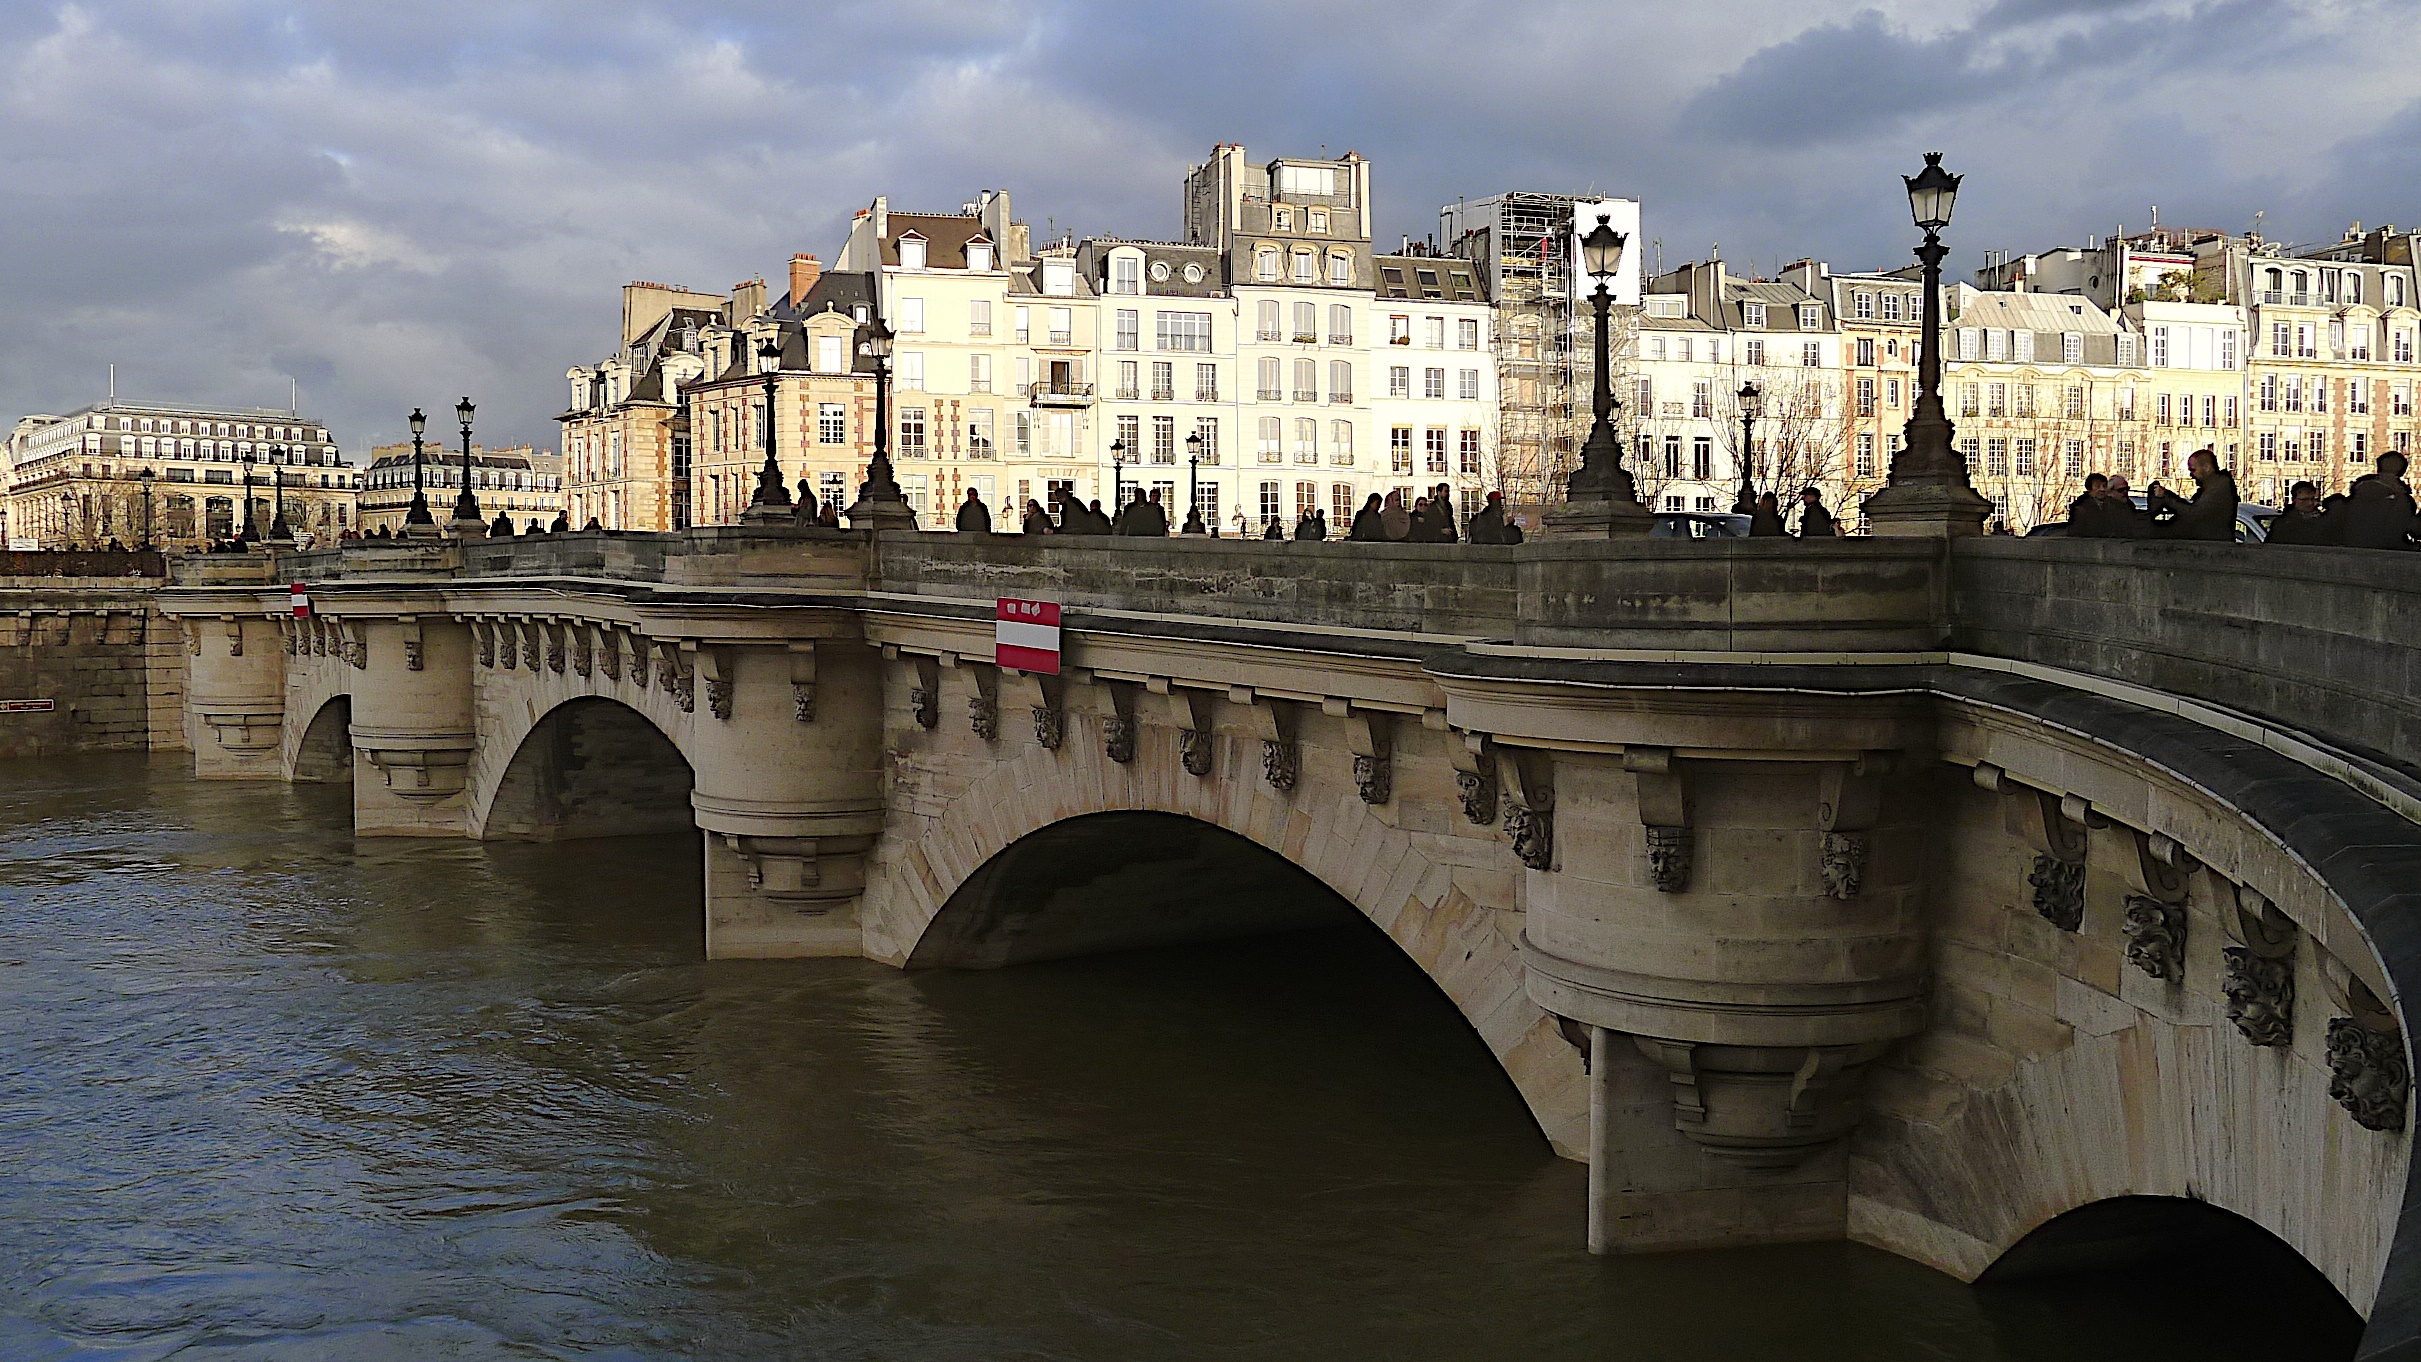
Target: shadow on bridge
{"x": 2157, "y": 1254}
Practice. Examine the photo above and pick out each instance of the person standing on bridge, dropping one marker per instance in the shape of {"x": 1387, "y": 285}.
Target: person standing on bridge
{"x": 2379, "y": 510}
{"x": 1766, "y": 521}
{"x": 1038, "y": 520}
{"x": 1366, "y": 527}
{"x": 973, "y": 516}
{"x": 2211, "y": 515}
{"x": 1814, "y": 521}
{"x": 803, "y": 508}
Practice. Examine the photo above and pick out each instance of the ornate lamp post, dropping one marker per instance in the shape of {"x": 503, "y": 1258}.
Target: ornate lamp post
{"x": 251, "y": 533}
{"x": 67, "y": 520}
{"x": 418, "y": 518}
{"x": 279, "y": 531}
{"x": 1117, "y": 475}
{"x": 145, "y": 477}
{"x": 467, "y": 520}
{"x": 1193, "y": 483}
{"x": 1600, "y": 499}
{"x": 1928, "y": 493}
{"x": 771, "y": 500}
{"x": 1751, "y": 401}
{"x": 879, "y": 503}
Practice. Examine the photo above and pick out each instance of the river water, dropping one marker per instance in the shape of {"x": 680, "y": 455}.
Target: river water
{"x": 269, "y": 1092}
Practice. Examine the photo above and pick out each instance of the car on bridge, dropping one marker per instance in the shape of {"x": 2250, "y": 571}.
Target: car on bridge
{"x": 2252, "y": 521}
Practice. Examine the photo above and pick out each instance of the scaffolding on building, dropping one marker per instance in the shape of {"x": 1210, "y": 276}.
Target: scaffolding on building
{"x": 1524, "y": 241}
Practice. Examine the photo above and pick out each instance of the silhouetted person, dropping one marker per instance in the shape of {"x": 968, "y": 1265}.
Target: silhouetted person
{"x": 562, "y": 525}
{"x": 2302, "y": 522}
{"x": 1037, "y": 520}
{"x": 593, "y": 524}
{"x": 803, "y": 509}
{"x": 1395, "y": 519}
{"x": 1366, "y": 527}
{"x": 2379, "y": 508}
{"x": 2211, "y": 515}
{"x": 973, "y": 516}
{"x": 2120, "y": 519}
{"x": 503, "y": 528}
{"x": 1766, "y": 521}
{"x": 1270, "y": 530}
{"x": 2085, "y": 513}
{"x": 1488, "y": 526}
{"x": 1814, "y": 521}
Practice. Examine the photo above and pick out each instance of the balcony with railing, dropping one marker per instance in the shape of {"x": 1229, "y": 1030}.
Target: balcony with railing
{"x": 1307, "y": 394}
{"x": 1206, "y": 392}
{"x": 1048, "y": 392}
{"x": 1162, "y": 392}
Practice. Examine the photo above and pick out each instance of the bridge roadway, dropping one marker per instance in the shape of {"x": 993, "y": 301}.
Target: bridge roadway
{"x": 1881, "y": 889}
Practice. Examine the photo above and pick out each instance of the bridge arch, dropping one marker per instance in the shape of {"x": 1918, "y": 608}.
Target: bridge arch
{"x": 322, "y": 750}
{"x": 587, "y": 767}
{"x": 1444, "y": 901}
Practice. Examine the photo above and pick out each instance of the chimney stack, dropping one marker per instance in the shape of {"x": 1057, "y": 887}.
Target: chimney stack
{"x": 805, "y": 270}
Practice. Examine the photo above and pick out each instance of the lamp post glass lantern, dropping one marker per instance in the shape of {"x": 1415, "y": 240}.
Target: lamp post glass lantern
{"x": 419, "y": 513}
{"x": 251, "y": 533}
{"x": 1928, "y": 492}
{"x": 466, "y": 506}
{"x": 1601, "y": 475}
{"x": 279, "y": 530}
{"x": 879, "y": 500}
{"x": 1117, "y": 475}
{"x": 772, "y": 496}
{"x": 145, "y": 478}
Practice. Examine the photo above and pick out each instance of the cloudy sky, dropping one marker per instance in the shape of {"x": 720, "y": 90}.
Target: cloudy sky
{"x": 401, "y": 202}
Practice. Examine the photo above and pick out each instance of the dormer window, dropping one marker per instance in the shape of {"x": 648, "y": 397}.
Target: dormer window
{"x": 979, "y": 255}
{"x": 1285, "y": 219}
{"x": 1304, "y": 273}
{"x": 1058, "y": 278}
{"x": 1752, "y": 314}
{"x": 912, "y": 252}
{"x": 1319, "y": 220}
{"x": 1811, "y": 316}
{"x": 1265, "y": 266}
{"x": 1340, "y": 269}
{"x": 1126, "y": 275}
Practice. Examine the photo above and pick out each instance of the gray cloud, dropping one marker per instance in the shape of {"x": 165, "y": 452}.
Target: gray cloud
{"x": 397, "y": 204}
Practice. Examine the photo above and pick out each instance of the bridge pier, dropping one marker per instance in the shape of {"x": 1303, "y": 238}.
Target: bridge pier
{"x": 235, "y": 703}
{"x": 412, "y": 729}
{"x": 788, "y": 754}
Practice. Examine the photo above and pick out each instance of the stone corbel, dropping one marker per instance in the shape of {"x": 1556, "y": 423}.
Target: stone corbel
{"x": 802, "y": 682}
{"x": 2258, "y": 978}
{"x": 1528, "y": 781}
{"x": 556, "y": 648}
{"x": 983, "y": 700}
{"x": 193, "y": 636}
{"x": 290, "y": 633}
{"x": 584, "y": 653}
{"x": 1275, "y": 722}
{"x": 1663, "y": 794}
{"x": 2369, "y": 1074}
{"x": 2057, "y": 881}
{"x": 528, "y": 630}
{"x": 924, "y": 690}
{"x": 416, "y": 654}
{"x": 1048, "y": 695}
{"x": 235, "y": 635}
{"x": 674, "y": 676}
{"x": 717, "y": 664}
{"x": 609, "y": 653}
{"x": 484, "y": 638}
{"x": 357, "y": 644}
{"x": 783, "y": 870}
{"x": 508, "y": 645}
{"x": 1370, "y": 736}
{"x": 2155, "y": 919}
{"x": 1190, "y": 713}
{"x": 1849, "y": 800}
{"x": 1118, "y": 726}
{"x": 1474, "y": 758}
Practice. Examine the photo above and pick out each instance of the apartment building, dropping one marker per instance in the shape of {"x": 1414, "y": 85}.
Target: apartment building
{"x": 2042, "y": 389}
{"x": 520, "y": 481}
{"x": 1170, "y": 400}
{"x": 171, "y": 475}
{"x": 1879, "y": 316}
{"x": 1432, "y": 328}
{"x": 823, "y": 396}
{"x": 626, "y": 440}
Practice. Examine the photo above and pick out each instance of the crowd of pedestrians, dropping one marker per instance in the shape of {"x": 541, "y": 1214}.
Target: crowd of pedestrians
{"x": 1430, "y": 519}
{"x": 2377, "y": 512}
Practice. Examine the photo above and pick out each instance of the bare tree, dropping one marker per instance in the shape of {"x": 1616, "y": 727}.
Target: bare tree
{"x": 1798, "y": 430}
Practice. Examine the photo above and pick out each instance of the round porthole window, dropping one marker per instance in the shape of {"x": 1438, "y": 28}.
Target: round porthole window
{"x": 1193, "y": 274}
{"x": 1159, "y": 271}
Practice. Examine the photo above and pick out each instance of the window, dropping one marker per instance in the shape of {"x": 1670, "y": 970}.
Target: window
{"x": 1340, "y": 324}
{"x": 829, "y": 355}
{"x": 1862, "y": 305}
{"x": 1340, "y": 443}
{"x": 1307, "y": 380}
{"x": 1269, "y": 503}
{"x": 912, "y": 370}
{"x": 1684, "y": 347}
{"x": 2267, "y": 443}
{"x": 1317, "y": 219}
{"x": 1063, "y": 326}
{"x": 1130, "y": 380}
{"x": 1866, "y": 350}
{"x": 1021, "y": 318}
{"x": 912, "y": 252}
{"x": 1433, "y": 333}
{"x": 2294, "y": 392}
{"x": 1752, "y": 314}
{"x": 1702, "y": 457}
{"x": 1265, "y": 320}
{"x": 1433, "y": 383}
{"x": 1340, "y": 381}
{"x": 2336, "y": 337}
{"x": 2160, "y": 410}
{"x": 1468, "y": 385}
{"x": 1752, "y": 353}
{"x": 2076, "y": 458}
{"x": 1271, "y": 431}
{"x": 979, "y": 256}
{"x": 2318, "y": 449}
{"x": 912, "y": 431}
{"x": 2022, "y": 346}
{"x": 1468, "y": 458}
{"x": 1433, "y": 449}
{"x": 2227, "y": 349}
{"x": 1283, "y": 219}
{"x": 2320, "y": 393}
{"x": 1304, "y": 273}
{"x": 2126, "y": 403}
{"x": 1466, "y": 334}
{"x": 1207, "y": 427}
{"x": 831, "y": 423}
{"x": 2404, "y": 347}
{"x": 979, "y": 435}
{"x": 1811, "y": 354}
{"x": 1646, "y": 398}
{"x": 1307, "y": 440}
{"x": 1891, "y": 389}
{"x": 1164, "y": 381}
{"x": 2358, "y": 397}
{"x": 1399, "y": 450}
{"x": 1126, "y": 275}
{"x": 1340, "y": 269}
{"x": 1866, "y": 396}
{"x": 2229, "y": 404}
{"x": 1307, "y": 323}
{"x": 2359, "y": 451}
{"x": 1399, "y": 330}
{"x": 1206, "y": 383}
{"x": 1969, "y": 340}
{"x": 1164, "y": 439}
{"x": 1702, "y": 398}
{"x": 911, "y": 315}
{"x": 1811, "y": 316}
{"x": 1129, "y": 330}
{"x": 1269, "y": 388}
{"x": 1996, "y": 401}
{"x": 2025, "y": 457}
{"x": 2266, "y": 395}
{"x": 1996, "y": 458}
{"x": 979, "y": 373}
{"x": 1891, "y": 308}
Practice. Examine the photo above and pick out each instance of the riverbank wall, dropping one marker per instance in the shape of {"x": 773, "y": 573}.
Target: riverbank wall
{"x": 88, "y": 665}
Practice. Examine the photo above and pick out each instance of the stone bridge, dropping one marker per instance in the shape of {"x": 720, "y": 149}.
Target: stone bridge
{"x": 1939, "y": 897}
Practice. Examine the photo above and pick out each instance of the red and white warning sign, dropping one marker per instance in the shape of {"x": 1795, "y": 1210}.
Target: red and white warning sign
{"x": 1026, "y": 635}
{"x": 302, "y": 602}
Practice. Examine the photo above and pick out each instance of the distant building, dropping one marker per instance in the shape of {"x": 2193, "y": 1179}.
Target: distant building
{"x": 171, "y": 475}
{"x": 519, "y": 481}
{"x": 824, "y": 427}
{"x": 626, "y": 444}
